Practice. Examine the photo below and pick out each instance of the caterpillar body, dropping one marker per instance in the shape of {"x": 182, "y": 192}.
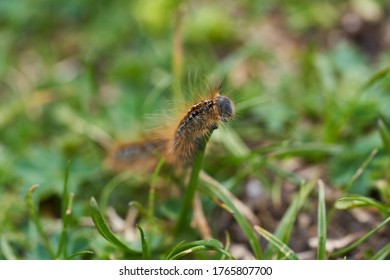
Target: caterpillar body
{"x": 201, "y": 119}
{"x": 181, "y": 144}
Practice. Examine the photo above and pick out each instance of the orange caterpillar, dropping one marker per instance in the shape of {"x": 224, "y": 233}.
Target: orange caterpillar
{"x": 180, "y": 146}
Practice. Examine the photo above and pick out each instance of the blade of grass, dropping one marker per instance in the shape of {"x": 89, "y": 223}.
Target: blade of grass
{"x": 110, "y": 186}
{"x": 379, "y": 75}
{"x": 65, "y": 223}
{"x": 174, "y": 250}
{"x": 227, "y": 245}
{"x": 65, "y": 192}
{"x": 382, "y": 253}
{"x": 76, "y": 123}
{"x": 105, "y": 231}
{"x": 184, "y": 249}
{"x": 321, "y": 248}
{"x": 34, "y": 215}
{"x": 79, "y": 254}
{"x": 215, "y": 190}
{"x": 185, "y": 211}
{"x": 188, "y": 251}
{"x": 66, "y": 205}
{"x": 152, "y": 192}
{"x": 385, "y": 135}
{"x": 354, "y": 177}
{"x": 307, "y": 149}
{"x": 360, "y": 170}
{"x": 360, "y": 240}
{"x": 277, "y": 243}
{"x": 6, "y": 250}
{"x": 141, "y": 209}
{"x": 145, "y": 245}
{"x": 361, "y": 201}
{"x": 290, "y": 176}
{"x": 283, "y": 231}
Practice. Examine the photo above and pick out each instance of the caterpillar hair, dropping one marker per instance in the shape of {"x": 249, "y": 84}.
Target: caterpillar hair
{"x": 180, "y": 145}
{"x": 200, "y": 120}
{"x": 142, "y": 155}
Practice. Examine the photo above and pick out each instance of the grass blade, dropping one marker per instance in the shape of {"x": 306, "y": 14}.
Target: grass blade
{"x": 183, "y": 249}
{"x": 104, "y": 230}
{"x": 382, "y": 253}
{"x": 285, "y": 226}
{"x": 65, "y": 192}
{"x": 189, "y": 251}
{"x": 360, "y": 170}
{"x": 360, "y": 240}
{"x": 110, "y": 186}
{"x": 145, "y": 245}
{"x": 227, "y": 244}
{"x": 184, "y": 215}
{"x": 34, "y": 215}
{"x": 321, "y": 248}
{"x": 215, "y": 190}
{"x": 307, "y": 149}
{"x": 354, "y": 177}
{"x": 175, "y": 249}
{"x": 385, "y": 135}
{"x": 272, "y": 239}
{"x": 375, "y": 78}
{"x": 79, "y": 254}
{"x": 65, "y": 222}
{"x": 350, "y": 202}
{"x": 6, "y": 250}
{"x": 152, "y": 192}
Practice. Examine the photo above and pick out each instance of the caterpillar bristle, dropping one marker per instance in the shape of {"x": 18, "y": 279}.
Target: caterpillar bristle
{"x": 140, "y": 156}
{"x": 178, "y": 145}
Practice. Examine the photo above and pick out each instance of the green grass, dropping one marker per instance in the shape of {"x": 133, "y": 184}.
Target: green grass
{"x": 311, "y": 100}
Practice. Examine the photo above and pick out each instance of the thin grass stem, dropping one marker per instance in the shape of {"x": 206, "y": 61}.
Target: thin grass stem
{"x": 184, "y": 215}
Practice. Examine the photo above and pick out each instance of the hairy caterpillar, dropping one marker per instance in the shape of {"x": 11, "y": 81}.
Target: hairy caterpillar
{"x": 201, "y": 119}
{"x": 137, "y": 155}
{"x": 181, "y": 144}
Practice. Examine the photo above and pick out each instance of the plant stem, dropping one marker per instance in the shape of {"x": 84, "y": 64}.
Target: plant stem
{"x": 184, "y": 215}
{"x": 37, "y": 222}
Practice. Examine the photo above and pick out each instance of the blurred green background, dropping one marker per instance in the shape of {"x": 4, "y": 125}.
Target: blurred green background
{"x": 75, "y": 75}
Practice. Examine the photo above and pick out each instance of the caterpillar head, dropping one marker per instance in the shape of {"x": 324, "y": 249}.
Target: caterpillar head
{"x": 225, "y": 108}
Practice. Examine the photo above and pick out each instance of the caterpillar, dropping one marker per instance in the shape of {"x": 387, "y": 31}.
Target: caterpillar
{"x": 181, "y": 144}
{"x": 200, "y": 120}
{"x": 142, "y": 155}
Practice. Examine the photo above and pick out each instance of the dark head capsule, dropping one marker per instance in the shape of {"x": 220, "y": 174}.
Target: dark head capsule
{"x": 225, "y": 108}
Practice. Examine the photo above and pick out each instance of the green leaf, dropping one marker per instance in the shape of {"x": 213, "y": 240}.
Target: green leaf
{"x": 34, "y": 215}
{"x": 350, "y": 202}
{"x": 272, "y": 239}
{"x": 65, "y": 223}
{"x": 385, "y": 135}
{"x": 382, "y": 253}
{"x": 145, "y": 246}
{"x": 6, "y": 249}
{"x": 215, "y": 190}
{"x": 65, "y": 192}
{"x": 283, "y": 231}
{"x": 79, "y": 254}
{"x": 183, "y": 249}
{"x": 321, "y": 249}
{"x": 308, "y": 149}
{"x": 381, "y": 74}
{"x": 152, "y": 192}
{"x": 185, "y": 210}
{"x": 66, "y": 208}
{"x": 360, "y": 240}
{"x": 110, "y": 186}
{"x": 104, "y": 230}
